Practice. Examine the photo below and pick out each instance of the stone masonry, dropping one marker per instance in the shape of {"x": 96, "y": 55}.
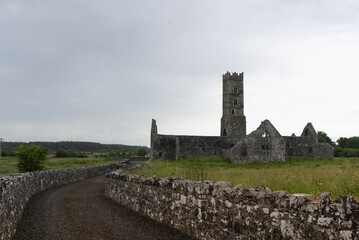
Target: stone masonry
{"x": 16, "y": 190}
{"x": 264, "y": 144}
{"x": 233, "y": 122}
{"x": 206, "y": 210}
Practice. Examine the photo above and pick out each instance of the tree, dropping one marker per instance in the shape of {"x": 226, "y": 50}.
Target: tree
{"x": 142, "y": 152}
{"x": 352, "y": 142}
{"x": 31, "y": 158}
{"x": 342, "y": 142}
{"x": 324, "y": 138}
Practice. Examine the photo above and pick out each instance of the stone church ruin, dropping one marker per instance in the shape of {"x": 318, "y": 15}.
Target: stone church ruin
{"x": 265, "y": 144}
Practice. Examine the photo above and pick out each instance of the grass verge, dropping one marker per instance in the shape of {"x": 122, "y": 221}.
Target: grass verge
{"x": 340, "y": 176}
{"x": 8, "y": 165}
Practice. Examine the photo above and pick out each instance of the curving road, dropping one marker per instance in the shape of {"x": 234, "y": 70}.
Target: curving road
{"x": 81, "y": 211}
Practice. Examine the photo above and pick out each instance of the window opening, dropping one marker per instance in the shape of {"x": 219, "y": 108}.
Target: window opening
{"x": 235, "y": 102}
{"x": 265, "y": 134}
{"x": 265, "y": 147}
{"x": 224, "y": 132}
{"x": 290, "y": 152}
{"x": 244, "y": 151}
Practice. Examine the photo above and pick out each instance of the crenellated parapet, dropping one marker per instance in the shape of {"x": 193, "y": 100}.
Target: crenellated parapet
{"x": 233, "y": 76}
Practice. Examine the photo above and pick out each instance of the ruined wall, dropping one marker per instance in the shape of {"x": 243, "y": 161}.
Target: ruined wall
{"x": 262, "y": 145}
{"x": 307, "y": 145}
{"x": 205, "y": 210}
{"x": 193, "y": 146}
{"x": 178, "y": 147}
{"x": 175, "y": 147}
{"x": 323, "y": 151}
{"x": 163, "y": 147}
{"x": 16, "y": 190}
{"x": 301, "y": 147}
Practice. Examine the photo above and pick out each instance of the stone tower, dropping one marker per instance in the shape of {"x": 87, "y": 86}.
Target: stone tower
{"x": 233, "y": 122}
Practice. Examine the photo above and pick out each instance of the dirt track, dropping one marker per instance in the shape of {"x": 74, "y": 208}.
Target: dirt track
{"x": 81, "y": 211}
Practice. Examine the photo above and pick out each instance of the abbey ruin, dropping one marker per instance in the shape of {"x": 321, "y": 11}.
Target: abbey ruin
{"x": 264, "y": 144}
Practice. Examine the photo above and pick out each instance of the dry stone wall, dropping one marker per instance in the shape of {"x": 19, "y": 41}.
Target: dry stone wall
{"x": 206, "y": 210}
{"x": 16, "y": 190}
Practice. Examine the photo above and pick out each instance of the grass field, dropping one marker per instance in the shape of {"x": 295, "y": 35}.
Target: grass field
{"x": 8, "y": 164}
{"x": 340, "y": 176}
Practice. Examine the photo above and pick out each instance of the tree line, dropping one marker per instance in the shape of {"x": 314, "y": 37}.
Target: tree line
{"x": 75, "y": 146}
{"x": 343, "y": 147}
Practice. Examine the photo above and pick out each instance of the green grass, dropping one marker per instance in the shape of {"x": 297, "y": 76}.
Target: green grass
{"x": 8, "y": 164}
{"x": 340, "y": 176}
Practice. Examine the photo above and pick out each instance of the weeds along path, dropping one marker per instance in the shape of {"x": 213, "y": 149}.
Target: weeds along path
{"x": 81, "y": 211}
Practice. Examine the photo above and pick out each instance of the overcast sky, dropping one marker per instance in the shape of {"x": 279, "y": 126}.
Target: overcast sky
{"x": 101, "y": 70}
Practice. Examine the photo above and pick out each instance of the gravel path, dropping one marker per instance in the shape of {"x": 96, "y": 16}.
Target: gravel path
{"x": 81, "y": 211}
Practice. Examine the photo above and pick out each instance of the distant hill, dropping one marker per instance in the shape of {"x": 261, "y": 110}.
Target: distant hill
{"x": 75, "y": 146}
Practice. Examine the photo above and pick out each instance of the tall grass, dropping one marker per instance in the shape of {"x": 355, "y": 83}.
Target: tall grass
{"x": 340, "y": 176}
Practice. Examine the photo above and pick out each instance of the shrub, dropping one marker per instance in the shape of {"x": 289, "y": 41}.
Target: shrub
{"x": 142, "y": 152}
{"x": 31, "y": 158}
{"x": 345, "y": 152}
{"x": 110, "y": 155}
{"x": 5, "y": 153}
{"x": 61, "y": 153}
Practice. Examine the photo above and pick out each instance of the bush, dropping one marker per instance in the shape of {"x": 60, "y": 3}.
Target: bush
{"x": 61, "y": 153}
{"x": 31, "y": 158}
{"x": 345, "y": 152}
{"x": 111, "y": 154}
{"x": 142, "y": 152}
{"x": 5, "y": 153}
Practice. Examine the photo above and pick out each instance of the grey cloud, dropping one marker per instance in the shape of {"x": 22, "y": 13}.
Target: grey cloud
{"x": 95, "y": 71}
